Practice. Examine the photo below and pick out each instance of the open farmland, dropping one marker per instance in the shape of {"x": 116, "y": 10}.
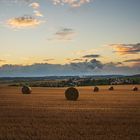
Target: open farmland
{"x": 47, "y": 115}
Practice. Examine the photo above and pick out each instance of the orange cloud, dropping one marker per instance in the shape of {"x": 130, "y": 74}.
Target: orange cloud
{"x": 1, "y": 60}
{"x": 124, "y": 49}
{"x": 23, "y": 22}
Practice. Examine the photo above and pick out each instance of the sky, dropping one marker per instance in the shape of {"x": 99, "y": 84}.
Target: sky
{"x": 69, "y": 37}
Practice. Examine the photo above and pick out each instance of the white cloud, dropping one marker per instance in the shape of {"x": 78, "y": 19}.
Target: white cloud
{"x": 35, "y": 5}
{"x": 38, "y": 13}
{"x": 72, "y": 3}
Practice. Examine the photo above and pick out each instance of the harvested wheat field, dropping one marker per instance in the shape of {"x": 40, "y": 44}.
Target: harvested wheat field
{"x": 45, "y": 114}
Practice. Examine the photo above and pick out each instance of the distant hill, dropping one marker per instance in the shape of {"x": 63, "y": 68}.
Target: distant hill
{"x": 60, "y": 77}
{"x": 4, "y": 80}
{"x": 135, "y": 76}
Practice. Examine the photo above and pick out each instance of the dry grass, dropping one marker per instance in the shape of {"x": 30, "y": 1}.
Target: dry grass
{"x": 47, "y": 115}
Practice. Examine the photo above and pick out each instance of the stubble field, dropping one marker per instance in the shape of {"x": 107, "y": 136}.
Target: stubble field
{"x": 47, "y": 115}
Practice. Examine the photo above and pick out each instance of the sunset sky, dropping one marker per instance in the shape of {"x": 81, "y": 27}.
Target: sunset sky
{"x": 92, "y": 35}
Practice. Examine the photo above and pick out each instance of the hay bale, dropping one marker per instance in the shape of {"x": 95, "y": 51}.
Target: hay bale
{"x": 96, "y": 89}
{"x": 111, "y": 88}
{"x": 26, "y": 90}
{"x": 135, "y": 89}
{"x": 71, "y": 94}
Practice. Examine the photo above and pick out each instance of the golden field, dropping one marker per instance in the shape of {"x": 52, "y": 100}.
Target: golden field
{"x": 47, "y": 115}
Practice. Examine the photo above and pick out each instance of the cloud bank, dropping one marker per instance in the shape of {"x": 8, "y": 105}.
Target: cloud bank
{"x": 92, "y": 67}
{"x": 92, "y": 56}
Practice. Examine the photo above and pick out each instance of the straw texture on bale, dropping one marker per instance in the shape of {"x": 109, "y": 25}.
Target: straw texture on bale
{"x": 26, "y": 90}
{"x": 71, "y": 94}
{"x": 111, "y": 88}
{"x": 96, "y": 89}
{"x": 135, "y": 89}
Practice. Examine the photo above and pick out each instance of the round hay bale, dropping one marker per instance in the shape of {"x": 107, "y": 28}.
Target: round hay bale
{"x": 96, "y": 89}
{"x": 26, "y": 90}
{"x": 71, "y": 94}
{"x": 135, "y": 89}
{"x": 111, "y": 88}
